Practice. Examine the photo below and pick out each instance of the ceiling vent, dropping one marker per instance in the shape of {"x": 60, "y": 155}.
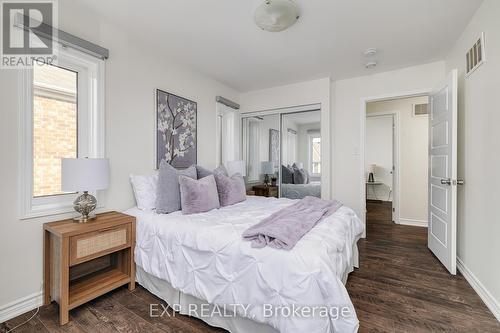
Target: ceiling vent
{"x": 420, "y": 109}
{"x": 475, "y": 56}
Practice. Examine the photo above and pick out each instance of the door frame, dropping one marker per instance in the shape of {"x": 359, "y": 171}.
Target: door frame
{"x": 395, "y": 160}
{"x": 362, "y": 148}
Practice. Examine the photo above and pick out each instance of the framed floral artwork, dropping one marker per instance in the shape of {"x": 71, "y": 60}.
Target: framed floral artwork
{"x": 175, "y": 130}
{"x": 274, "y": 147}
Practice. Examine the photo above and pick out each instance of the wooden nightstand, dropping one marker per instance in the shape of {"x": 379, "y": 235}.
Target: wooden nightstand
{"x": 85, "y": 260}
{"x": 266, "y": 191}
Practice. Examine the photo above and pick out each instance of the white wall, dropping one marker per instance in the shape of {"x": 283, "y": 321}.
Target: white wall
{"x": 133, "y": 71}
{"x": 304, "y": 93}
{"x": 348, "y": 96}
{"x": 413, "y": 156}
{"x": 478, "y": 152}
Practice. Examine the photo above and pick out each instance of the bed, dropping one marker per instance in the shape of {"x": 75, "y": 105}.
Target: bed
{"x": 202, "y": 259}
{"x": 299, "y": 191}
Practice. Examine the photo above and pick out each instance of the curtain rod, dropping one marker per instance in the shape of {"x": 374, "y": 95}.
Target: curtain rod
{"x": 227, "y": 102}
{"x": 45, "y": 31}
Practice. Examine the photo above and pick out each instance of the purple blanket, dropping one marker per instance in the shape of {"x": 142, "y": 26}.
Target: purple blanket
{"x": 283, "y": 229}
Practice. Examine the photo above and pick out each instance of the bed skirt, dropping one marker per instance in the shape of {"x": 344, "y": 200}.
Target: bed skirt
{"x": 234, "y": 324}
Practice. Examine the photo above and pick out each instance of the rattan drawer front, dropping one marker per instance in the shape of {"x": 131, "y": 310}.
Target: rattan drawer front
{"x": 94, "y": 244}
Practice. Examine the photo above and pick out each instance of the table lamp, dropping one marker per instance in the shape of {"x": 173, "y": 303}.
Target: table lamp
{"x": 371, "y": 171}
{"x": 267, "y": 169}
{"x": 84, "y": 175}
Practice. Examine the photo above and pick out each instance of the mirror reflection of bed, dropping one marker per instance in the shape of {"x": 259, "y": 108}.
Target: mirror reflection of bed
{"x": 283, "y": 154}
{"x": 301, "y": 155}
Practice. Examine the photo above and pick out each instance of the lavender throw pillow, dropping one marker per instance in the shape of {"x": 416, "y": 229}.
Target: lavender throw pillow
{"x": 168, "y": 195}
{"x": 202, "y": 172}
{"x": 231, "y": 189}
{"x": 286, "y": 174}
{"x": 198, "y": 196}
{"x": 299, "y": 176}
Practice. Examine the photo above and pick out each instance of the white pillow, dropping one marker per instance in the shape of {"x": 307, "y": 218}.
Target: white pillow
{"x": 145, "y": 190}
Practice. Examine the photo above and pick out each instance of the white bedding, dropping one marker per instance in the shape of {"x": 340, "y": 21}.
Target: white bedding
{"x": 203, "y": 255}
{"x": 299, "y": 191}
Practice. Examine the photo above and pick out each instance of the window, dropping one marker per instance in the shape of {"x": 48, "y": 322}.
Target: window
{"x": 315, "y": 154}
{"x": 253, "y": 151}
{"x": 227, "y": 143}
{"x": 291, "y": 147}
{"x": 251, "y": 132}
{"x": 54, "y": 126}
{"x": 62, "y": 116}
{"x": 220, "y": 144}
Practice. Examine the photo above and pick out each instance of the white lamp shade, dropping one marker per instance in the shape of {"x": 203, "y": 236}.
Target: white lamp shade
{"x": 371, "y": 168}
{"x": 84, "y": 174}
{"x": 267, "y": 167}
{"x": 234, "y": 167}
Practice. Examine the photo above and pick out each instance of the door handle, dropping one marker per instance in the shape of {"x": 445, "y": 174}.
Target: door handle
{"x": 445, "y": 181}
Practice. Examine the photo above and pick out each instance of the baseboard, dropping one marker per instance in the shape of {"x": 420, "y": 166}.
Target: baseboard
{"x": 415, "y": 223}
{"x": 378, "y": 201}
{"x": 20, "y": 306}
{"x": 479, "y": 288}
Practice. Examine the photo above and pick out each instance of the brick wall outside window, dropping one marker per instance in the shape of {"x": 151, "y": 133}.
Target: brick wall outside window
{"x": 54, "y": 127}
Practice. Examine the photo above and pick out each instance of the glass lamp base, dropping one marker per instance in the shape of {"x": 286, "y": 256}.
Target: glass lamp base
{"x": 84, "y": 205}
{"x": 84, "y": 219}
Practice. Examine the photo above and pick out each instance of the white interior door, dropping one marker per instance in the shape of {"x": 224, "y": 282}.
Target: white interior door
{"x": 442, "y": 231}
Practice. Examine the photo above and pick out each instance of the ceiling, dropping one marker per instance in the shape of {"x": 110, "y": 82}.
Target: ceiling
{"x": 220, "y": 39}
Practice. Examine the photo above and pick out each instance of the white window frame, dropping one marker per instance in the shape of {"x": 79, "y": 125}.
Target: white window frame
{"x": 310, "y": 161}
{"x": 91, "y": 126}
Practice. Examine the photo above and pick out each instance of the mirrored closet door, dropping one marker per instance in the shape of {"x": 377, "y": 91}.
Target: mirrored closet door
{"x": 282, "y": 152}
{"x": 261, "y": 151}
{"x": 301, "y": 154}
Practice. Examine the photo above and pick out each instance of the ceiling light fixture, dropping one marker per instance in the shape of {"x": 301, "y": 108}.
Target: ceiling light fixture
{"x": 276, "y": 15}
{"x": 371, "y": 64}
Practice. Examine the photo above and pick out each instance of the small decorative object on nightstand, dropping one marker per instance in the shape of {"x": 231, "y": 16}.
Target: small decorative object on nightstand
{"x": 266, "y": 191}
{"x": 83, "y": 175}
{"x": 85, "y": 260}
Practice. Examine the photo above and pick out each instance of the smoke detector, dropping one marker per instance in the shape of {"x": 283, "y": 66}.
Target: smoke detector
{"x": 370, "y": 52}
{"x": 276, "y": 15}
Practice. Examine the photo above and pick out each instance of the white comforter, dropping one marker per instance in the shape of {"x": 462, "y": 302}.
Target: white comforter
{"x": 204, "y": 255}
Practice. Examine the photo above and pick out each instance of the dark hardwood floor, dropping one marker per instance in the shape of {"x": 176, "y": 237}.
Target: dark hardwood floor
{"x": 400, "y": 287}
